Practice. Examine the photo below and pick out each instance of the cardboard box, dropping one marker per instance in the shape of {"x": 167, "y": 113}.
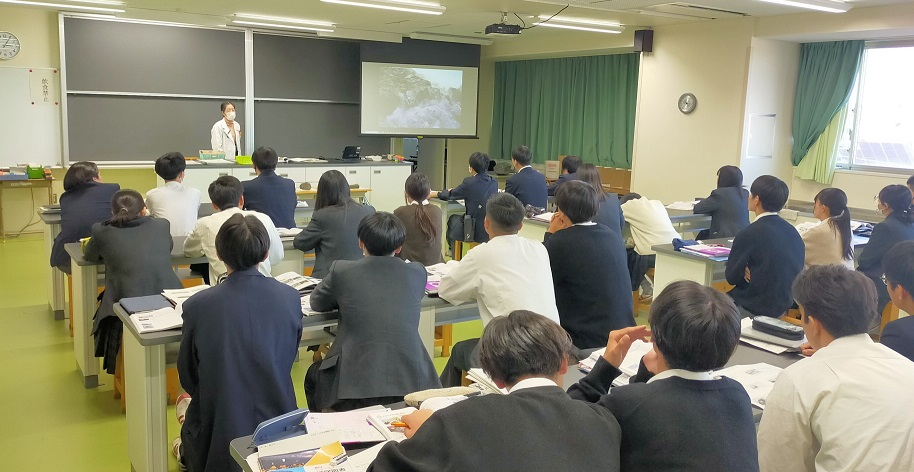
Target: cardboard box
{"x": 553, "y": 169}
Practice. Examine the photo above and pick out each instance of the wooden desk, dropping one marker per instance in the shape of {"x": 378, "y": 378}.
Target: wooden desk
{"x": 23, "y": 184}
{"x": 358, "y": 193}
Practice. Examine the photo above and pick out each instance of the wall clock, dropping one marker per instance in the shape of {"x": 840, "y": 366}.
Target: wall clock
{"x": 687, "y": 103}
{"x": 9, "y": 45}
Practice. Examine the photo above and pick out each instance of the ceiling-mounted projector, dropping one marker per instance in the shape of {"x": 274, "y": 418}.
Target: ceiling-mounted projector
{"x": 503, "y": 28}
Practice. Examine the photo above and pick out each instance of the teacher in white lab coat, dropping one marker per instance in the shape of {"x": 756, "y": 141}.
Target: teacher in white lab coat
{"x": 226, "y": 133}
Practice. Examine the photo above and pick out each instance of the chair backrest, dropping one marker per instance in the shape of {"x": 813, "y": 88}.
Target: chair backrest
{"x": 889, "y": 314}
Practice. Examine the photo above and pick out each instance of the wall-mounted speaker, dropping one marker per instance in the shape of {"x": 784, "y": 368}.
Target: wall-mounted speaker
{"x": 644, "y": 40}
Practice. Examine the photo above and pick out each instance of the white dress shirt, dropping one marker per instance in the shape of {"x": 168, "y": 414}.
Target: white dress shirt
{"x": 649, "y": 223}
{"x": 202, "y": 241}
{"x": 846, "y": 408}
{"x": 532, "y": 382}
{"x": 221, "y": 138}
{"x": 505, "y": 274}
{"x": 177, "y": 203}
{"x": 682, "y": 373}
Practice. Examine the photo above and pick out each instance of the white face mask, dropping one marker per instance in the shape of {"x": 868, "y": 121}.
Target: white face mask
{"x": 230, "y": 115}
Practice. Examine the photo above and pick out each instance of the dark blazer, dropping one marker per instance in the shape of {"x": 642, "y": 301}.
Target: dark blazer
{"x": 550, "y": 189}
{"x": 137, "y": 260}
{"x": 417, "y": 247}
{"x": 899, "y": 335}
{"x": 532, "y": 429}
{"x": 240, "y": 340}
{"x": 475, "y": 192}
{"x": 729, "y": 210}
{"x": 273, "y": 196}
{"x": 333, "y": 234}
{"x": 80, "y": 208}
{"x": 774, "y": 252}
{"x": 675, "y": 423}
{"x": 378, "y": 352}
{"x": 610, "y": 214}
{"x": 890, "y": 232}
{"x": 529, "y": 186}
{"x": 592, "y": 286}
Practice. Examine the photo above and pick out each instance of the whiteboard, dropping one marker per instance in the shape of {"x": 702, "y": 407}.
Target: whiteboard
{"x": 28, "y": 132}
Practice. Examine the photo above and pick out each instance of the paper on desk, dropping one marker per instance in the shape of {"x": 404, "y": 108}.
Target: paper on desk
{"x": 547, "y": 217}
{"x": 301, "y": 204}
{"x": 685, "y": 206}
{"x": 440, "y": 269}
{"x": 360, "y": 462}
{"x": 162, "y": 319}
{"x": 757, "y": 379}
{"x": 320, "y": 452}
{"x": 772, "y": 348}
{"x": 179, "y": 296}
{"x": 352, "y": 426}
{"x": 288, "y": 232}
{"x": 804, "y": 227}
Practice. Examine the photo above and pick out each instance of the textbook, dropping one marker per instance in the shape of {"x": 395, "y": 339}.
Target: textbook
{"x": 321, "y": 452}
{"x": 304, "y": 284}
{"x": 630, "y": 363}
{"x": 704, "y": 250}
{"x": 386, "y": 422}
{"x": 288, "y": 233}
{"x": 352, "y": 426}
{"x": 485, "y": 382}
{"x": 147, "y": 303}
{"x": 178, "y": 296}
{"x": 162, "y": 319}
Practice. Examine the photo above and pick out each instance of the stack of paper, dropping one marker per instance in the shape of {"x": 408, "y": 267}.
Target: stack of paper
{"x": 359, "y": 426}
{"x": 162, "y": 319}
{"x": 178, "y": 296}
{"x": 547, "y": 217}
{"x": 757, "y": 379}
{"x": 389, "y": 422}
{"x": 485, "y": 382}
{"x": 684, "y": 206}
{"x": 435, "y": 272}
{"x": 752, "y": 336}
{"x": 304, "y": 284}
{"x": 287, "y": 233}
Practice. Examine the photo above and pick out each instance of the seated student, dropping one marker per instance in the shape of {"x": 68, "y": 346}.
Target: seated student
{"x": 830, "y": 241}
{"x": 332, "y": 231}
{"x": 505, "y": 274}
{"x": 767, "y": 255}
{"x": 570, "y": 166}
{"x": 240, "y": 340}
{"x": 422, "y": 221}
{"x": 898, "y": 265}
{"x": 377, "y": 357}
{"x": 727, "y": 205}
{"x": 528, "y": 185}
{"x": 610, "y": 212}
{"x": 894, "y": 202}
{"x": 269, "y": 193}
{"x": 650, "y": 225}
{"x": 84, "y": 202}
{"x": 527, "y": 354}
{"x": 226, "y": 195}
{"x": 848, "y": 406}
{"x": 475, "y": 191}
{"x": 174, "y": 201}
{"x": 683, "y": 418}
{"x": 136, "y": 251}
{"x": 589, "y": 269}
{"x": 910, "y": 183}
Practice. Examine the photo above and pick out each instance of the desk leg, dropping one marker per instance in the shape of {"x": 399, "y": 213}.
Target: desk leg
{"x": 147, "y": 428}
{"x": 56, "y": 285}
{"x": 671, "y": 268}
{"x": 427, "y": 330}
{"x": 294, "y": 261}
{"x": 85, "y": 293}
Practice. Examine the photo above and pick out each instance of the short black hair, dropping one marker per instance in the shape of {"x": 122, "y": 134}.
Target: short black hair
{"x": 170, "y": 165}
{"x": 505, "y": 212}
{"x": 694, "y": 327}
{"x": 265, "y": 158}
{"x": 225, "y": 192}
{"x": 729, "y": 176}
{"x": 79, "y": 173}
{"x": 577, "y": 200}
{"x": 225, "y": 105}
{"x": 242, "y": 242}
{"x": 772, "y": 192}
{"x": 629, "y": 196}
{"x": 843, "y": 300}
{"x": 479, "y": 162}
{"x": 523, "y": 344}
{"x": 381, "y": 233}
{"x": 521, "y": 154}
{"x": 571, "y": 163}
{"x": 898, "y": 266}
{"x": 911, "y": 180}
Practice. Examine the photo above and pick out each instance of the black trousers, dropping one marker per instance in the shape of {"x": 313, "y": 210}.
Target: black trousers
{"x": 202, "y": 270}
{"x": 464, "y": 356}
{"x": 638, "y": 266}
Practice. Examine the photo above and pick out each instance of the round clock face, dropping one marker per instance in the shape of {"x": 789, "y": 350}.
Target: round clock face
{"x": 9, "y": 45}
{"x": 687, "y": 103}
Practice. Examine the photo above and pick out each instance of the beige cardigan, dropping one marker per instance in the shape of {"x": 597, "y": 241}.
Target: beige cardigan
{"x": 823, "y": 246}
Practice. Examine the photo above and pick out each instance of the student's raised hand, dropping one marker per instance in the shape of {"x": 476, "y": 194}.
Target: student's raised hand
{"x": 621, "y": 340}
{"x": 558, "y": 222}
{"x": 807, "y": 350}
{"x": 748, "y": 276}
{"x": 414, "y": 420}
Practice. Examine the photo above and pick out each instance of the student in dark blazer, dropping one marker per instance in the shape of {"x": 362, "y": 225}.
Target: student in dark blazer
{"x": 894, "y": 202}
{"x": 610, "y": 212}
{"x": 240, "y": 341}
{"x": 378, "y": 356}
{"x": 84, "y": 202}
{"x": 767, "y": 255}
{"x": 528, "y": 185}
{"x": 683, "y": 418}
{"x": 534, "y": 427}
{"x": 422, "y": 222}
{"x": 589, "y": 269}
{"x": 898, "y": 264}
{"x": 331, "y": 233}
{"x": 570, "y": 165}
{"x": 269, "y": 193}
{"x": 136, "y": 250}
{"x": 727, "y": 205}
{"x": 475, "y": 191}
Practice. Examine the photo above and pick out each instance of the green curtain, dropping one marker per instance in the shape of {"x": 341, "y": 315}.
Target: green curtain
{"x": 824, "y": 83}
{"x": 819, "y": 162}
{"x": 576, "y": 105}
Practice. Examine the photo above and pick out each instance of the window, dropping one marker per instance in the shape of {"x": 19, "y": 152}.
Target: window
{"x": 879, "y": 131}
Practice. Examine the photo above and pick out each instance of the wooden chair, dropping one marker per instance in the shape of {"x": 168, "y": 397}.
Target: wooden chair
{"x": 637, "y": 302}
{"x": 792, "y": 316}
{"x": 889, "y": 314}
{"x": 172, "y": 384}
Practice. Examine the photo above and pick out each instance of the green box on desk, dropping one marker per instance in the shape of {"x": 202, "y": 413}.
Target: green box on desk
{"x": 244, "y": 160}
{"x": 211, "y": 155}
{"x": 34, "y": 172}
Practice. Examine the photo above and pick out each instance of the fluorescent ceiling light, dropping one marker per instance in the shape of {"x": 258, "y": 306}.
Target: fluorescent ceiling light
{"x": 427, "y": 8}
{"x": 820, "y": 5}
{"x": 595, "y": 26}
{"x": 279, "y": 19}
{"x": 287, "y": 27}
{"x": 100, "y": 2}
{"x": 583, "y": 28}
{"x": 62, "y": 6}
{"x": 451, "y": 38}
{"x": 578, "y": 21}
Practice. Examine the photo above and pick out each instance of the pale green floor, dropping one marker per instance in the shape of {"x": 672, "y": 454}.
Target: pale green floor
{"x": 49, "y": 420}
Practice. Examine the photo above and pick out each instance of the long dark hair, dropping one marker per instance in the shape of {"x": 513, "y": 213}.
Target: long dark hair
{"x": 418, "y": 189}
{"x": 840, "y": 221}
{"x": 79, "y": 173}
{"x": 126, "y": 206}
{"x": 588, "y": 173}
{"x": 332, "y": 190}
{"x": 898, "y": 198}
{"x": 729, "y": 176}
